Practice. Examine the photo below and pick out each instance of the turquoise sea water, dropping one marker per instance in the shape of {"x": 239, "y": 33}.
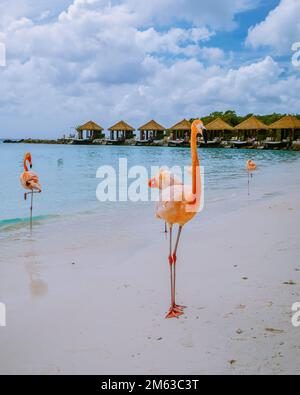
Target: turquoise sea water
{"x": 68, "y": 177}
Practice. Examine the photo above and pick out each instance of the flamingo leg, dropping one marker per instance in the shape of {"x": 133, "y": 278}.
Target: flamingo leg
{"x": 248, "y": 184}
{"x": 180, "y": 308}
{"x": 166, "y": 229}
{"x": 171, "y": 264}
{"x": 31, "y": 209}
{"x": 31, "y": 205}
{"x": 173, "y": 311}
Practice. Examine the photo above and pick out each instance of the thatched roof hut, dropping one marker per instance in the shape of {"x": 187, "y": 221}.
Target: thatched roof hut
{"x": 151, "y": 129}
{"x": 218, "y": 125}
{"x": 183, "y": 125}
{"x": 92, "y": 129}
{"x": 121, "y": 127}
{"x": 287, "y": 128}
{"x": 287, "y": 122}
{"x": 251, "y": 127}
{"x": 181, "y": 130}
{"x": 152, "y": 126}
{"x": 123, "y": 131}
{"x": 217, "y": 129}
{"x": 91, "y": 126}
{"x": 251, "y": 123}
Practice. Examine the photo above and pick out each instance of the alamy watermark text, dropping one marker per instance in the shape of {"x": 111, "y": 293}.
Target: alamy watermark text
{"x": 2, "y": 315}
{"x": 131, "y": 184}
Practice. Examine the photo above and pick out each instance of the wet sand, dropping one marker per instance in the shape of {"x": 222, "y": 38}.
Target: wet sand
{"x": 82, "y": 310}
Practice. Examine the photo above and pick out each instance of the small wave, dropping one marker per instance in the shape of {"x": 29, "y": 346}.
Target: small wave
{"x": 217, "y": 199}
{"x": 272, "y": 194}
{"x": 8, "y": 224}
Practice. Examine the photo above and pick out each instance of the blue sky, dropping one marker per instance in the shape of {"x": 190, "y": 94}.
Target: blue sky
{"x": 234, "y": 40}
{"x": 69, "y": 61}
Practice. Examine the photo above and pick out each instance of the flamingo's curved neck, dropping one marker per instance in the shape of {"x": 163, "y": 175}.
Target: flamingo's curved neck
{"x": 25, "y": 164}
{"x": 195, "y": 164}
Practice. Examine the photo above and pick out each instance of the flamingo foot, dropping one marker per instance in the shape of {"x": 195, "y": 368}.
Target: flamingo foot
{"x": 180, "y": 307}
{"x": 174, "y": 313}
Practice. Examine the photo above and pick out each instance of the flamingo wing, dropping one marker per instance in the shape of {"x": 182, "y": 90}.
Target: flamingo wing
{"x": 30, "y": 180}
{"x": 178, "y": 193}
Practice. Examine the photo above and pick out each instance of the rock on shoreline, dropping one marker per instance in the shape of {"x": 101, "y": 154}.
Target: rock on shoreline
{"x": 35, "y": 141}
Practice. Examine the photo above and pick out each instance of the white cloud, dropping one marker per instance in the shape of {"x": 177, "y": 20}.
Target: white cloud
{"x": 280, "y": 29}
{"x": 14, "y": 9}
{"x": 175, "y": 41}
{"x": 106, "y": 61}
{"x": 184, "y": 89}
{"x": 214, "y": 55}
{"x": 97, "y": 41}
{"x": 218, "y": 14}
{"x": 214, "y": 13}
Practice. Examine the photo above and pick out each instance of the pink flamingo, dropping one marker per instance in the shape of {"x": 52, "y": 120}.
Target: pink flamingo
{"x": 251, "y": 167}
{"x": 179, "y": 204}
{"x": 164, "y": 179}
{"x": 30, "y": 181}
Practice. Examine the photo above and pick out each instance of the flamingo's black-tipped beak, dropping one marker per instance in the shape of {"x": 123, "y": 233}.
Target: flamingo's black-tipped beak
{"x": 205, "y": 135}
{"x": 30, "y": 165}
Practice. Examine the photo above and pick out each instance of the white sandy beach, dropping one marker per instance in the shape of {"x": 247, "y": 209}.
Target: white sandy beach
{"x": 105, "y": 313}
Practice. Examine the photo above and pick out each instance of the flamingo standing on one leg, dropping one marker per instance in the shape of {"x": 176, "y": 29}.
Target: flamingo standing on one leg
{"x": 178, "y": 205}
{"x": 30, "y": 181}
{"x": 162, "y": 180}
{"x": 251, "y": 166}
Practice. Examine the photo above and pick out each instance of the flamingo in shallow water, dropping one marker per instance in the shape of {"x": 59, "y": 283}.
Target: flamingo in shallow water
{"x": 251, "y": 166}
{"x": 30, "y": 181}
{"x": 178, "y": 205}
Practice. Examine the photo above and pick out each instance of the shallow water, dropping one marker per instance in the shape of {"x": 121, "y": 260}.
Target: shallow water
{"x": 68, "y": 177}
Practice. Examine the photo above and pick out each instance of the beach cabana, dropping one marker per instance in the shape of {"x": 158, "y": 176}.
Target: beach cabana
{"x": 92, "y": 130}
{"x": 120, "y": 132}
{"x": 180, "y": 133}
{"x": 287, "y": 128}
{"x": 151, "y": 131}
{"x": 251, "y": 128}
{"x": 218, "y": 129}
